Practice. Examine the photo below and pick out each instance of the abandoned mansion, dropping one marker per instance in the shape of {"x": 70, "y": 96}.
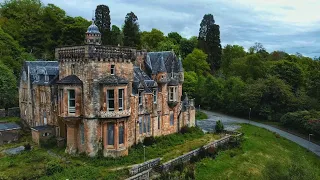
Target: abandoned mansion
{"x": 103, "y": 98}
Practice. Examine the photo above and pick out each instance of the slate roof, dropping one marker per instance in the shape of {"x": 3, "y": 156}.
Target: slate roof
{"x": 9, "y": 126}
{"x": 93, "y": 29}
{"x": 165, "y": 61}
{"x": 142, "y": 81}
{"x": 113, "y": 80}
{"x": 42, "y": 128}
{"x": 71, "y": 79}
{"x": 39, "y": 69}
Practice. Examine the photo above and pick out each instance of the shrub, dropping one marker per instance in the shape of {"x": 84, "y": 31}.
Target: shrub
{"x": 27, "y": 147}
{"x": 201, "y": 115}
{"x": 53, "y": 167}
{"x": 307, "y": 121}
{"x": 50, "y": 143}
{"x": 219, "y": 127}
{"x": 148, "y": 141}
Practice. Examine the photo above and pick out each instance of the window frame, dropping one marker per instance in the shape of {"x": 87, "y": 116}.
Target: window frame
{"x": 109, "y": 134}
{"x": 69, "y": 100}
{"x": 110, "y": 99}
{"x": 112, "y": 69}
{"x": 82, "y": 138}
{"x": 171, "y": 118}
{"x": 140, "y": 124}
{"x": 121, "y": 133}
{"x": 121, "y": 99}
{"x": 155, "y": 96}
{"x": 140, "y": 97}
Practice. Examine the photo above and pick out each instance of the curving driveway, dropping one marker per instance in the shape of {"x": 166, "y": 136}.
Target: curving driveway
{"x": 208, "y": 125}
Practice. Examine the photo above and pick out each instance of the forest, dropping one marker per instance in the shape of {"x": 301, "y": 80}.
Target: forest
{"x": 273, "y": 86}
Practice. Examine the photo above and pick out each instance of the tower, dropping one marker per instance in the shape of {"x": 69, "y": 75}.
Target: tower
{"x": 93, "y": 35}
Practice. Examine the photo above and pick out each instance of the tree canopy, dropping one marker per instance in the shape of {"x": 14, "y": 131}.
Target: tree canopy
{"x": 103, "y": 21}
{"x": 131, "y": 34}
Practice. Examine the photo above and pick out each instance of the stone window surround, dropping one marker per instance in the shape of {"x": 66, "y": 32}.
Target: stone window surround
{"x": 112, "y": 69}
{"x": 116, "y": 145}
{"x": 155, "y": 95}
{"x": 172, "y": 93}
{"x": 145, "y": 124}
{"x": 70, "y": 109}
{"x": 116, "y": 97}
{"x": 64, "y": 100}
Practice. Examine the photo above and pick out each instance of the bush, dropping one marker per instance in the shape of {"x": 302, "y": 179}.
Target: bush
{"x": 307, "y": 121}
{"x": 201, "y": 115}
{"x": 50, "y": 143}
{"x": 53, "y": 167}
{"x": 27, "y": 147}
{"x": 219, "y": 127}
{"x": 148, "y": 141}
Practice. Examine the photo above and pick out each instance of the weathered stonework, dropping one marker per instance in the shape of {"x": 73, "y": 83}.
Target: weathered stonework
{"x": 106, "y": 99}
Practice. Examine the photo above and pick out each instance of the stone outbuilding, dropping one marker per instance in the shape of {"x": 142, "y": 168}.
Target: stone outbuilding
{"x": 9, "y": 132}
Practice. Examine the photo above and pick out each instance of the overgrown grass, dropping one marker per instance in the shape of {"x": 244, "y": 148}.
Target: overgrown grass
{"x": 201, "y": 115}
{"x": 10, "y": 119}
{"x": 263, "y": 155}
{"x": 83, "y": 167}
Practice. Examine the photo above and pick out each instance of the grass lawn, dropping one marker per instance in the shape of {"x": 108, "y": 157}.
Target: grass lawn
{"x": 39, "y": 164}
{"x": 263, "y": 155}
{"x": 10, "y": 119}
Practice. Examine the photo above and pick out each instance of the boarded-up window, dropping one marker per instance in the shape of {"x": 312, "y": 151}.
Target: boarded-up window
{"x": 110, "y": 134}
{"x": 171, "y": 118}
{"x": 140, "y": 124}
{"x": 144, "y": 125}
{"x": 159, "y": 121}
{"x": 81, "y": 134}
{"x": 121, "y": 133}
{"x": 148, "y": 123}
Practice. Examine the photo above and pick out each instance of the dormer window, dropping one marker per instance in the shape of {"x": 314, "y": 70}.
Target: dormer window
{"x": 173, "y": 93}
{"x": 140, "y": 97}
{"x": 112, "y": 70}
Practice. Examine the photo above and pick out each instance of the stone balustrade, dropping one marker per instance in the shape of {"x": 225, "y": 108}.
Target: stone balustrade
{"x": 115, "y": 114}
{"x": 100, "y": 52}
{"x": 144, "y": 166}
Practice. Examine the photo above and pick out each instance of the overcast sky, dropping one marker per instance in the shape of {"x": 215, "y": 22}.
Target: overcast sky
{"x": 288, "y": 25}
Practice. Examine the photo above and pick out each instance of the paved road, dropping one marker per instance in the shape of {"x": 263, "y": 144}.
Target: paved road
{"x": 212, "y": 117}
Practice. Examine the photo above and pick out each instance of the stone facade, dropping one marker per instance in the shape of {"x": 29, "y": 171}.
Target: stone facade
{"x": 105, "y": 98}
